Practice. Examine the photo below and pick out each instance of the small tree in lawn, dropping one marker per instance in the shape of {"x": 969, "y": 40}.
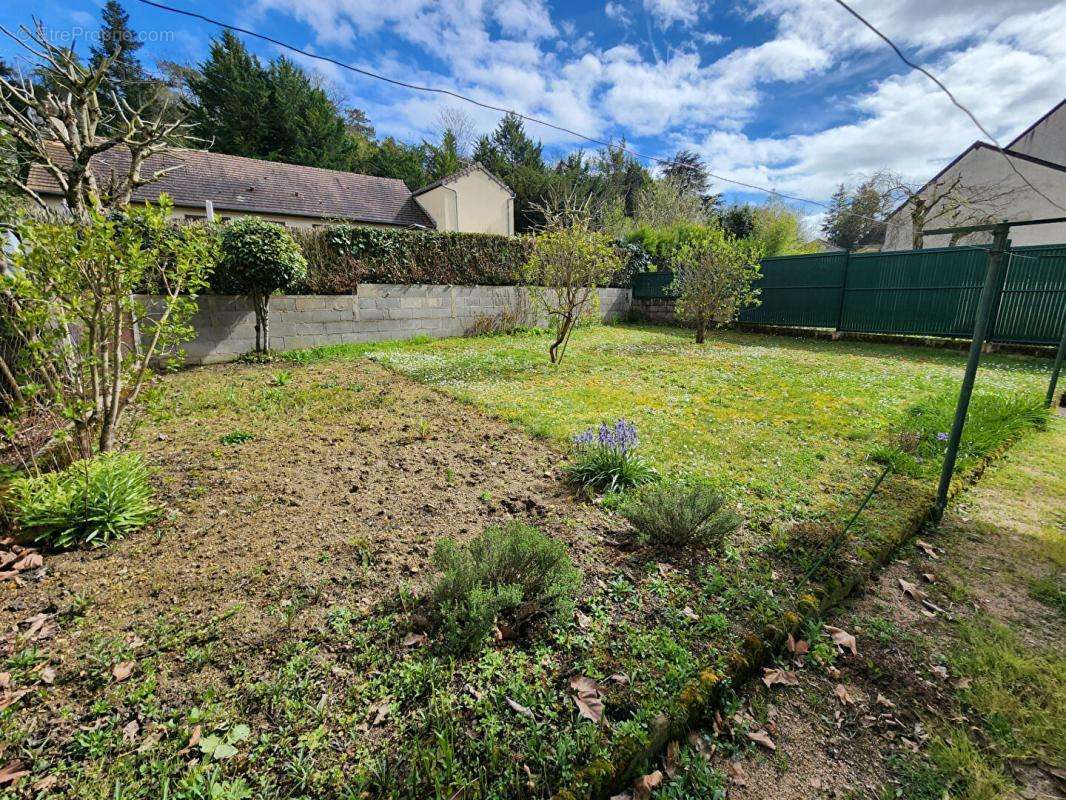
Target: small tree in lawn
{"x": 258, "y": 258}
{"x": 713, "y": 277}
{"x": 566, "y": 267}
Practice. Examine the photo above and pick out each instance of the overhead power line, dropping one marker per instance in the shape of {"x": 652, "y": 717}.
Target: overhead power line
{"x": 945, "y": 90}
{"x": 465, "y": 98}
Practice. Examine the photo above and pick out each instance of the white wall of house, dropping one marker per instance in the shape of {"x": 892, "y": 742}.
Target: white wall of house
{"x": 983, "y": 167}
{"x": 1047, "y": 139}
{"x": 470, "y": 203}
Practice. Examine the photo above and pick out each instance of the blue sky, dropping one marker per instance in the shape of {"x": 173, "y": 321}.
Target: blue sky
{"x": 790, "y": 94}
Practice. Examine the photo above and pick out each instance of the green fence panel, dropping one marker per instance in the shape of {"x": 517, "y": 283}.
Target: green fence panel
{"x": 1032, "y": 307}
{"x": 802, "y": 291}
{"x": 652, "y": 285}
{"x": 930, "y": 292}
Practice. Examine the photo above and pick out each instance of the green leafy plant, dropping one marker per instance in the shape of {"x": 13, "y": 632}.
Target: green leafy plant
{"x": 86, "y": 275}
{"x": 714, "y": 278}
{"x": 281, "y": 378}
{"x": 91, "y": 502}
{"x": 605, "y": 460}
{"x": 236, "y": 437}
{"x": 258, "y": 258}
{"x": 564, "y": 270}
{"x": 505, "y": 578}
{"x": 679, "y": 514}
{"x": 919, "y": 438}
{"x": 222, "y": 745}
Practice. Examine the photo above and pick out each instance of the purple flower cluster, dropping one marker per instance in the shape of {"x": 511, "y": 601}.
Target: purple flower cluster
{"x": 621, "y": 438}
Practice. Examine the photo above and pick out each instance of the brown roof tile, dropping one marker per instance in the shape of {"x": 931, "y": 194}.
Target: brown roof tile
{"x": 235, "y": 183}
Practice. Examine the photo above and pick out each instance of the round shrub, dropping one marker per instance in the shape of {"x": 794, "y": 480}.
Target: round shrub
{"x": 677, "y": 514}
{"x": 91, "y": 502}
{"x": 505, "y": 578}
{"x": 258, "y": 257}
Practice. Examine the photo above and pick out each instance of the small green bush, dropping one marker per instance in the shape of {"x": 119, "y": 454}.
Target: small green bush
{"x": 506, "y": 577}
{"x": 994, "y": 420}
{"x": 91, "y": 502}
{"x": 677, "y": 514}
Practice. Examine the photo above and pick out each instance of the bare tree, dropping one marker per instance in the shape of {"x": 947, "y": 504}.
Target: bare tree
{"x": 63, "y": 127}
{"x": 462, "y": 127}
{"x": 949, "y": 202}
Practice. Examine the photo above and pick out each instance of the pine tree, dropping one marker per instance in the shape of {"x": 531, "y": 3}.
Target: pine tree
{"x": 126, "y": 77}
{"x": 393, "y": 159}
{"x": 688, "y": 171}
{"x": 305, "y": 127}
{"x": 442, "y": 159}
{"x": 231, "y": 100}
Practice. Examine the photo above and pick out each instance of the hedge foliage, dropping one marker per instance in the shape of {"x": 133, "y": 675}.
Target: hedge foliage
{"x": 340, "y": 257}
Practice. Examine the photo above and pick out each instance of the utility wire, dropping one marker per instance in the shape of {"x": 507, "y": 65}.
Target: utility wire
{"x": 946, "y": 91}
{"x": 458, "y": 96}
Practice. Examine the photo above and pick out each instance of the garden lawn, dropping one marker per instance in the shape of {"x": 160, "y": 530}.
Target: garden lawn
{"x": 266, "y": 638}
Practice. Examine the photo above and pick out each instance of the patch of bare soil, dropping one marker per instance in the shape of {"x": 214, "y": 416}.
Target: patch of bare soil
{"x": 839, "y": 731}
{"x": 353, "y": 475}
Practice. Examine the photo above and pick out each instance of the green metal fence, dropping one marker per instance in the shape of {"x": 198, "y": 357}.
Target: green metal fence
{"x": 930, "y": 292}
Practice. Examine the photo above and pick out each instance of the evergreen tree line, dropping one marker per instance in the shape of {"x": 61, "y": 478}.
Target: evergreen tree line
{"x": 278, "y": 111}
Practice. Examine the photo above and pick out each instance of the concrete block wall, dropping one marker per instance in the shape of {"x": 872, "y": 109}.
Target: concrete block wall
{"x": 658, "y": 310}
{"x": 225, "y": 325}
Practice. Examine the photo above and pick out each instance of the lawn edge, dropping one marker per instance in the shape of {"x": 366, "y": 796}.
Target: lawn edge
{"x": 704, "y": 695}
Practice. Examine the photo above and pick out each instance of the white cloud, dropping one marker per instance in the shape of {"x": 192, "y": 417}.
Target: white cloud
{"x": 618, "y": 12}
{"x": 670, "y": 12}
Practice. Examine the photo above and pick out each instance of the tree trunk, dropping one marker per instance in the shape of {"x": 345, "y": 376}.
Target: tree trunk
{"x": 560, "y": 340}
{"x": 701, "y": 330}
{"x": 261, "y": 304}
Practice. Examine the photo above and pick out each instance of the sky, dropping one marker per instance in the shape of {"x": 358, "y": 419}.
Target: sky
{"x": 792, "y": 95}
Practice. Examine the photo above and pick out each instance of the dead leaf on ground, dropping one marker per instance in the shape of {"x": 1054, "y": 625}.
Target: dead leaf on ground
{"x": 9, "y": 698}
{"x": 519, "y": 708}
{"x": 379, "y": 712}
{"x": 800, "y": 648}
{"x": 772, "y": 676}
{"x": 884, "y": 701}
{"x": 843, "y": 695}
{"x": 619, "y": 677}
{"x": 11, "y": 772}
{"x": 5, "y": 680}
{"x": 130, "y": 731}
{"x": 911, "y": 590}
{"x": 673, "y": 751}
{"x": 415, "y": 640}
{"x": 28, "y": 561}
{"x": 927, "y": 548}
{"x": 46, "y": 783}
{"x": 688, "y": 613}
{"x": 194, "y": 739}
{"x": 929, "y": 577}
{"x": 842, "y": 639}
{"x": 583, "y": 620}
{"x": 122, "y": 670}
{"x": 587, "y": 697}
{"x": 761, "y": 737}
{"x": 735, "y": 771}
{"x": 48, "y": 675}
{"x": 646, "y": 784}
{"x": 940, "y": 671}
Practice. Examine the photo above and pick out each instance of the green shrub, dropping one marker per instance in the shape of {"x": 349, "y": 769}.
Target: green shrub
{"x": 258, "y": 259}
{"x": 994, "y": 420}
{"x": 679, "y": 514}
{"x": 605, "y": 460}
{"x": 90, "y": 502}
{"x": 507, "y": 577}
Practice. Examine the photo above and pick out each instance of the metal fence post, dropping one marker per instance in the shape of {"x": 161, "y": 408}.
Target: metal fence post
{"x": 1056, "y": 368}
{"x": 985, "y": 308}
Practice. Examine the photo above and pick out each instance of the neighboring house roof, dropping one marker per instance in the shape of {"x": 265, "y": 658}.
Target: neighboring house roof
{"x": 253, "y": 186}
{"x": 978, "y": 146}
{"x": 475, "y": 166}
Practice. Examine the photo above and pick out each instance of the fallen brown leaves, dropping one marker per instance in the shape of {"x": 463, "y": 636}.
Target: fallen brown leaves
{"x": 587, "y": 698}
{"x": 783, "y": 677}
{"x": 842, "y": 639}
{"x": 122, "y": 670}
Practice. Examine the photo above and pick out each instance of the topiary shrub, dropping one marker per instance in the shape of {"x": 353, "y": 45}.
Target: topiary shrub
{"x": 505, "y": 578}
{"x": 678, "y": 514}
{"x": 91, "y": 502}
{"x": 258, "y": 259}
{"x": 605, "y": 460}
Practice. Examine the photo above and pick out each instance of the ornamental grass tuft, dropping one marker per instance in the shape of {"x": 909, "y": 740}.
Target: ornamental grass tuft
{"x": 91, "y": 502}
{"x": 605, "y": 460}
{"x": 678, "y": 514}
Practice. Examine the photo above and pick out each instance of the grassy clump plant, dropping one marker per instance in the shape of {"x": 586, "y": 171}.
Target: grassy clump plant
{"x": 993, "y": 420}
{"x": 680, "y": 514}
{"x": 505, "y": 578}
{"x": 605, "y": 460}
{"x": 91, "y": 502}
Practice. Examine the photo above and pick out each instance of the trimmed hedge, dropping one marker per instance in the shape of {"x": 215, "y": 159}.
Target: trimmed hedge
{"x": 341, "y": 257}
